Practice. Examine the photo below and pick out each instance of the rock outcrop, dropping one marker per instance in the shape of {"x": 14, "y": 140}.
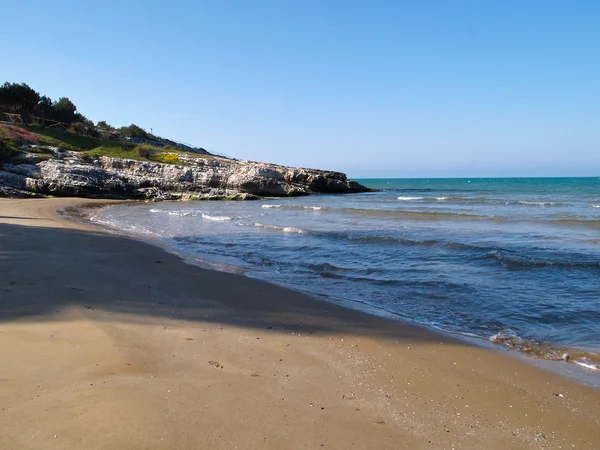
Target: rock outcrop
{"x": 68, "y": 174}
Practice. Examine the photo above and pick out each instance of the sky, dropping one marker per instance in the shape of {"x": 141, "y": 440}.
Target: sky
{"x": 371, "y": 88}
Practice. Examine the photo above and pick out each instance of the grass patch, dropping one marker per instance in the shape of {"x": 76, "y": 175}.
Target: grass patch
{"x": 137, "y": 153}
{"x": 113, "y": 152}
{"x": 75, "y": 142}
{"x": 13, "y": 136}
{"x": 197, "y": 155}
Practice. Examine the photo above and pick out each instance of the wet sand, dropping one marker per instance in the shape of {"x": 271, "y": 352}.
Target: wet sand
{"x": 108, "y": 342}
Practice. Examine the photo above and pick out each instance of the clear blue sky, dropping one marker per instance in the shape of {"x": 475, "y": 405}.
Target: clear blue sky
{"x": 394, "y": 88}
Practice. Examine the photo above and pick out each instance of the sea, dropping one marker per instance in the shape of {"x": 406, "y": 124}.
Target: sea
{"x": 514, "y": 261}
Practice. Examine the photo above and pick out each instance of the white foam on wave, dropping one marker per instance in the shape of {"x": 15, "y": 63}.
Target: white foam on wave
{"x": 441, "y": 199}
{"x": 505, "y": 335}
{"x": 410, "y": 198}
{"x": 128, "y": 228}
{"x": 315, "y": 208}
{"x": 217, "y": 218}
{"x": 172, "y": 213}
{"x": 595, "y": 206}
{"x": 293, "y": 230}
{"x": 587, "y": 365}
{"x": 282, "y": 229}
{"x": 524, "y": 202}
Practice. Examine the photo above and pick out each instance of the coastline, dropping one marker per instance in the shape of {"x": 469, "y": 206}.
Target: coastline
{"x": 115, "y": 343}
{"x": 549, "y": 356}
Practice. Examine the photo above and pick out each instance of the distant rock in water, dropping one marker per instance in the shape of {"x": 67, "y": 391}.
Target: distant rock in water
{"x": 69, "y": 174}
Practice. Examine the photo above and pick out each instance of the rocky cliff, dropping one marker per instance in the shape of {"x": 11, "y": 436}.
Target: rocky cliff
{"x": 66, "y": 173}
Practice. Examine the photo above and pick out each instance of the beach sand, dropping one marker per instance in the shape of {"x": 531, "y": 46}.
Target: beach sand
{"x": 110, "y": 343}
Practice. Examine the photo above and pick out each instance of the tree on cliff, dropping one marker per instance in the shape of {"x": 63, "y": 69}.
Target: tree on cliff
{"x": 45, "y": 108}
{"x": 134, "y": 131}
{"x": 65, "y": 110}
{"x": 20, "y": 97}
{"x": 103, "y": 125}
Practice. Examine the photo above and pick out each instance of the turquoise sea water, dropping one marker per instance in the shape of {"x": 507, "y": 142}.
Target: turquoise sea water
{"x": 516, "y": 261}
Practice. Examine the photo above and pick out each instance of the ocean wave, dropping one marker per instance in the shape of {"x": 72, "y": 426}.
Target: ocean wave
{"x": 329, "y": 267}
{"x": 278, "y": 228}
{"x": 217, "y": 218}
{"x": 504, "y": 255}
{"x": 512, "y": 340}
{"x": 427, "y": 190}
{"x": 193, "y": 214}
{"x": 172, "y": 213}
{"x": 588, "y": 223}
{"x": 314, "y": 208}
{"x": 585, "y": 362}
{"x": 416, "y": 214}
{"x": 482, "y": 201}
{"x": 400, "y": 240}
{"x": 595, "y": 206}
{"x": 525, "y": 202}
{"x": 508, "y": 338}
{"x": 469, "y": 200}
{"x": 515, "y": 259}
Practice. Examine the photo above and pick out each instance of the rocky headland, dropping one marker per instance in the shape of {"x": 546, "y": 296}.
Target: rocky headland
{"x": 45, "y": 170}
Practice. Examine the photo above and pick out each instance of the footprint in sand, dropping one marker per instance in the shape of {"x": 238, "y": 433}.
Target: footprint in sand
{"x": 216, "y": 364}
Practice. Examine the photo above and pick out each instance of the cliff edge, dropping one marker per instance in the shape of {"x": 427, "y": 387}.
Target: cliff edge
{"x": 60, "y": 172}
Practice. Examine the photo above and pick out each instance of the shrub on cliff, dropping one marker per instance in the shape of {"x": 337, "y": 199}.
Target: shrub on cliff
{"x": 103, "y": 125}
{"x": 143, "y": 151}
{"x": 133, "y": 131}
{"x": 83, "y": 129}
{"x": 7, "y": 153}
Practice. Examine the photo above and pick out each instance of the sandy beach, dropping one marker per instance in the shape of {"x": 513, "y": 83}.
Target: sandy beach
{"x": 111, "y": 343}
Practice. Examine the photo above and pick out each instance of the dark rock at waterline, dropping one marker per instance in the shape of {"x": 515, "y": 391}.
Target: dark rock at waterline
{"x": 68, "y": 174}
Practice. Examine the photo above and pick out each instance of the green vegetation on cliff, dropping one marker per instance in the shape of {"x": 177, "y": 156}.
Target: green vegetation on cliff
{"x": 19, "y": 139}
{"x": 29, "y": 120}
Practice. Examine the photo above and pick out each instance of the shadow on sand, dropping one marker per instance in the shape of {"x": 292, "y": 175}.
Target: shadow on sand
{"x": 45, "y": 270}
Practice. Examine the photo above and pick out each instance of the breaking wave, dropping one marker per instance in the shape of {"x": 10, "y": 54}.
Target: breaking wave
{"x": 281, "y": 229}
{"x": 508, "y": 338}
{"x": 525, "y": 202}
{"x": 217, "y": 218}
{"x": 484, "y": 201}
{"x": 269, "y": 206}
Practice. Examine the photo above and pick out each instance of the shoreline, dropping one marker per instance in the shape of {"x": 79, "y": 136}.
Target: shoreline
{"x": 571, "y": 369}
{"x": 117, "y": 343}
